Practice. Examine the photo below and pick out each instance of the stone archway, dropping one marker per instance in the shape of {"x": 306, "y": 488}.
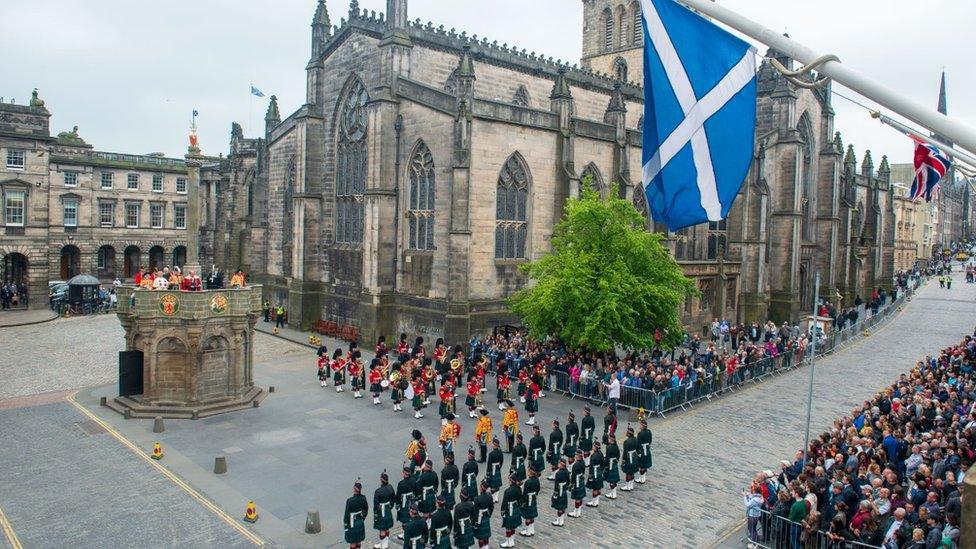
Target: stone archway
{"x": 179, "y": 256}
{"x": 171, "y": 371}
{"x": 70, "y": 262}
{"x": 157, "y": 258}
{"x": 15, "y": 268}
{"x": 105, "y": 268}
{"x": 132, "y": 261}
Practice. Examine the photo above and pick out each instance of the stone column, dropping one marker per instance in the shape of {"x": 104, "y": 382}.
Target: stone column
{"x": 193, "y": 162}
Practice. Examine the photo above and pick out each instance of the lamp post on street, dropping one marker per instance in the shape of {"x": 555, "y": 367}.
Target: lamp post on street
{"x": 813, "y": 359}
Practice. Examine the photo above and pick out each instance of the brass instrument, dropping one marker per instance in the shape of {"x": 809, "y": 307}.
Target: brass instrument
{"x": 479, "y": 400}
{"x": 455, "y": 365}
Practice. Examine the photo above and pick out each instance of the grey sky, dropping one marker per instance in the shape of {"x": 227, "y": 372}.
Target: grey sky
{"x": 129, "y": 72}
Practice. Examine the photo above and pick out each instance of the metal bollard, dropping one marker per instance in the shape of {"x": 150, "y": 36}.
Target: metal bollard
{"x": 220, "y": 465}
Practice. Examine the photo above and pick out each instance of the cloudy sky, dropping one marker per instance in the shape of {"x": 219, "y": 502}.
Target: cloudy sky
{"x": 129, "y": 72}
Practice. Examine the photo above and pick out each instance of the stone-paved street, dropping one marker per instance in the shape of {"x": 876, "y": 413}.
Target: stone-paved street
{"x": 305, "y": 446}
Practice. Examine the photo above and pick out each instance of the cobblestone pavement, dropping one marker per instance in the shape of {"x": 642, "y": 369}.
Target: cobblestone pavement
{"x": 305, "y": 445}
{"x": 18, "y": 317}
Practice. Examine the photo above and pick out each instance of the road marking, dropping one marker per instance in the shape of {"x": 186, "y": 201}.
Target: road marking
{"x": 726, "y": 535}
{"x": 8, "y": 531}
{"x": 168, "y": 474}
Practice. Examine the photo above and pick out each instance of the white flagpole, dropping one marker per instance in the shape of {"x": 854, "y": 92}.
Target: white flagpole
{"x": 959, "y": 156}
{"x": 961, "y": 134}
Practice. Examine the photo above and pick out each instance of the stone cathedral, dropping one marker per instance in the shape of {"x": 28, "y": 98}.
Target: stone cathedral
{"x": 428, "y": 164}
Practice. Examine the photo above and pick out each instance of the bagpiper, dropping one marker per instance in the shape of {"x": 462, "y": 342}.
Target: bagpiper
{"x": 471, "y": 400}
{"x": 594, "y": 477}
{"x": 450, "y": 478}
{"x": 484, "y": 506}
{"x": 469, "y": 473}
{"x": 644, "y": 462}
{"x": 404, "y": 495}
{"x": 440, "y": 526}
{"x": 510, "y": 425}
{"x": 560, "y": 492}
{"x": 530, "y": 501}
{"x": 503, "y": 384}
{"x": 446, "y": 394}
{"x": 419, "y": 390}
{"x": 572, "y": 436}
{"x": 416, "y": 453}
{"x": 628, "y": 461}
{"x": 611, "y": 472}
{"x": 532, "y": 393}
{"x": 464, "y": 521}
{"x": 482, "y": 434}
{"x": 323, "y": 365}
{"x": 375, "y": 380}
{"x": 355, "y": 371}
{"x": 519, "y": 454}
{"x": 555, "y": 448}
{"x": 523, "y": 383}
{"x": 537, "y": 450}
{"x": 493, "y": 469}
{"x": 354, "y": 517}
{"x": 587, "y": 430}
{"x": 577, "y": 482}
{"x": 540, "y": 376}
{"x": 338, "y": 366}
{"x": 426, "y": 489}
{"x": 415, "y": 530}
{"x": 384, "y": 502}
{"x": 450, "y": 431}
{"x": 511, "y": 510}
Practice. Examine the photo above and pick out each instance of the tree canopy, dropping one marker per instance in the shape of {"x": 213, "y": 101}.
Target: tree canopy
{"x": 607, "y": 281}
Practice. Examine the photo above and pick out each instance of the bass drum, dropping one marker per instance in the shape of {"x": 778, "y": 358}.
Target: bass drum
{"x": 385, "y": 383}
{"x": 408, "y": 393}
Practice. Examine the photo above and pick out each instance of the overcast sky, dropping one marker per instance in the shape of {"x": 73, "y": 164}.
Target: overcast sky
{"x": 129, "y": 72}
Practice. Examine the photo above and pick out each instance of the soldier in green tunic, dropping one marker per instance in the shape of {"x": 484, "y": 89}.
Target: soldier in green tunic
{"x": 537, "y": 450}
{"x": 354, "y": 517}
{"x": 644, "y": 462}
{"x": 384, "y": 501}
{"x": 493, "y": 469}
{"x": 530, "y": 501}
{"x": 404, "y": 494}
{"x": 611, "y": 473}
{"x": 587, "y": 431}
{"x": 464, "y": 517}
{"x": 450, "y": 478}
{"x": 577, "y": 482}
{"x": 484, "y": 506}
{"x": 415, "y": 531}
{"x": 519, "y": 454}
{"x": 426, "y": 492}
{"x": 572, "y": 437}
{"x": 594, "y": 479}
{"x": 469, "y": 473}
{"x": 560, "y": 493}
{"x": 628, "y": 461}
{"x": 555, "y": 448}
{"x": 440, "y": 526}
{"x": 511, "y": 510}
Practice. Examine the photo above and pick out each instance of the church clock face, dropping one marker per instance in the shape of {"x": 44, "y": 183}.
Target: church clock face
{"x": 354, "y": 114}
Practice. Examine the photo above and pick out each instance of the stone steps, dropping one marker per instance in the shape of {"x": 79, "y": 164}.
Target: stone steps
{"x": 134, "y": 408}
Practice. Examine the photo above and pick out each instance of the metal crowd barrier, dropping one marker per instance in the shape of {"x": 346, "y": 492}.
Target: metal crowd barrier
{"x": 776, "y": 532}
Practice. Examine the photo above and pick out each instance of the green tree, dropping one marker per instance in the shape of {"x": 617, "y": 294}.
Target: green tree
{"x": 607, "y": 282}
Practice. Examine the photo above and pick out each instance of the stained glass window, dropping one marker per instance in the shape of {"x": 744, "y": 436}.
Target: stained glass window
{"x": 420, "y": 214}
{"x": 351, "y": 166}
{"x": 511, "y": 225}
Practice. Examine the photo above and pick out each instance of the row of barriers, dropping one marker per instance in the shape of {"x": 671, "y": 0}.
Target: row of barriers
{"x": 712, "y": 385}
{"x": 771, "y": 531}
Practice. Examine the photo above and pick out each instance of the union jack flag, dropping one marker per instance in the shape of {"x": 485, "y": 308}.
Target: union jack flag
{"x": 931, "y": 165}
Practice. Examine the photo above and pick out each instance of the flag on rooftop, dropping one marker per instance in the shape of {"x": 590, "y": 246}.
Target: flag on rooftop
{"x": 931, "y": 165}
{"x": 699, "y": 115}
{"x": 256, "y": 92}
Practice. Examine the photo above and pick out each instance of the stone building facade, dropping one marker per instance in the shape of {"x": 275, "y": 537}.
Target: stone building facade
{"x": 68, "y": 209}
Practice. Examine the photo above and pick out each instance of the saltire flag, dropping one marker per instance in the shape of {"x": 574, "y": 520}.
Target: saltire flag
{"x": 699, "y": 115}
{"x": 931, "y": 165}
{"x": 256, "y": 92}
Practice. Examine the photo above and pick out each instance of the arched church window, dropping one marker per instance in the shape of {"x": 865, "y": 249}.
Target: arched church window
{"x": 511, "y": 219}
{"x": 638, "y": 23}
{"x": 521, "y": 97}
{"x": 420, "y": 214}
{"x": 591, "y": 174}
{"x": 640, "y": 202}
{"x": 608, "y": 30}
{"x": 351, "y": 165}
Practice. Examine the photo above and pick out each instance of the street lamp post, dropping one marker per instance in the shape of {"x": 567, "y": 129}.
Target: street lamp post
{"x": 813, "y": 359}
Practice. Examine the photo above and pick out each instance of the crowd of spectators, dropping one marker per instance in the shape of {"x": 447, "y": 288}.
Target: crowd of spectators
{"x": 13, "y": 295}
{"x": 887, "y": 475}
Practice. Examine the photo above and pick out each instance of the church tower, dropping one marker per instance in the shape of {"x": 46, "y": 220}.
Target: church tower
{"x": 613, "y": 39}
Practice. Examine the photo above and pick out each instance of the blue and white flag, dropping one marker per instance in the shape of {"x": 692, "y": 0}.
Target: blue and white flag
{"x": 699, "y": 115}
{"x": 256, "y": 92}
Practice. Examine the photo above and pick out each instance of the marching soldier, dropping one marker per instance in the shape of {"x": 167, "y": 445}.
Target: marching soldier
{"x": 338, "y": 366}
{"x": 560, "y": 492}
{"x": 429, "y": 376}
{"x": 323, "y": 365}
{"x": 504, "y": 384}
{"x": 471, "y": 399}
{"x": 450, "y": 477}
{"x": 416, "y": 451}
{"x": 510, "y": 425}
{"x": 398, "y": 384}
{"x": 594, "y": 479}
{"x": 530, "y": 502}
{"x": 611, "y": 473}
{"x": 403, "y": 349}
{"x": 404, "y": 495}
{"x": 419, "y": 390}
{"x": 572, "y": 436}
{"x": 469, "y": 473}
{"x": 644, "y": 439}
{"x": 482, "y": 434}
{"x": 577, "y": 480}
{"x": 537, "y": 450}
{"x": 464, "y": 520}
{"x": 609, "y": 423}
{"x": 484, "y": 506}
{"x": 418, "y": 348}
{"x": 532, "y": 393}
{"x": 355, "y": 371}
{"x": 493, "y": 471}
{"x": 519, "y": 454}
{"x": 384, "y": 502}
{"x": 523, "y": 383}
{"x": 555, "y": 447}
{"x": 440, "y": 526}
{"x": 381, "y": 348}
{"x": 628, "y": 461}
{"x": 415, "y": 531}
{"x": 511, "y": 511}
{"x": 375, "y": 380}
{"x": 450, "y": 432}
{"x": 426, "y": 491}
{"x": 354, "y": 517}
{"x": 446, "y": 394}
{"x": 588, "y": 429}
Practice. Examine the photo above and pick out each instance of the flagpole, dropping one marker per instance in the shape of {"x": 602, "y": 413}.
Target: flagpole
{"x": 961, "y": 134}
{"x": 960, "y": 156}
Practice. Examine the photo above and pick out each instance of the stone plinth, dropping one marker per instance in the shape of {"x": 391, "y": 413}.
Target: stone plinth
{"x": 197, "y": 350}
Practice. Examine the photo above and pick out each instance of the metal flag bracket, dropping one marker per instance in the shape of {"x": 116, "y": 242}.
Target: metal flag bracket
{"x": 794, "y": 76}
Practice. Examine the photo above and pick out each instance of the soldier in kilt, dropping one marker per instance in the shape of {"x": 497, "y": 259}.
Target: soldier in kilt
{"x": 511, "y": 511}
{"x": 532, "y": 401}
{"x": 338, "y": 366}
{"x": 415, "y": 531}
{"x": 572, "y": 436}
{"x": 384, "y": 502}
{"x": 530, "y": 501}
{"x": 587, "y": 430}
{"x": 484, "y": 506}
{"x": 594, "y": 480}
{"x": 354, "y": 517}
{"x": 519, "y": 454}
{"x": 426, "y": 492}
{"x": 450, "y": 477}
{"x": 493, "y": 470}
{"x": 464, "y": 518}
{"x": 555, "y": 448}
{"x": 560, "y": 493}
{"x": 577, "y": 482}
{"x": 628, "y": 460}
{"x": 404, "y": 494}
{"x": 644, "y": 462}
{"x": 440, "y": 526}
{"x": 611, "y": 472}
{"x": 469, "y": 473}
